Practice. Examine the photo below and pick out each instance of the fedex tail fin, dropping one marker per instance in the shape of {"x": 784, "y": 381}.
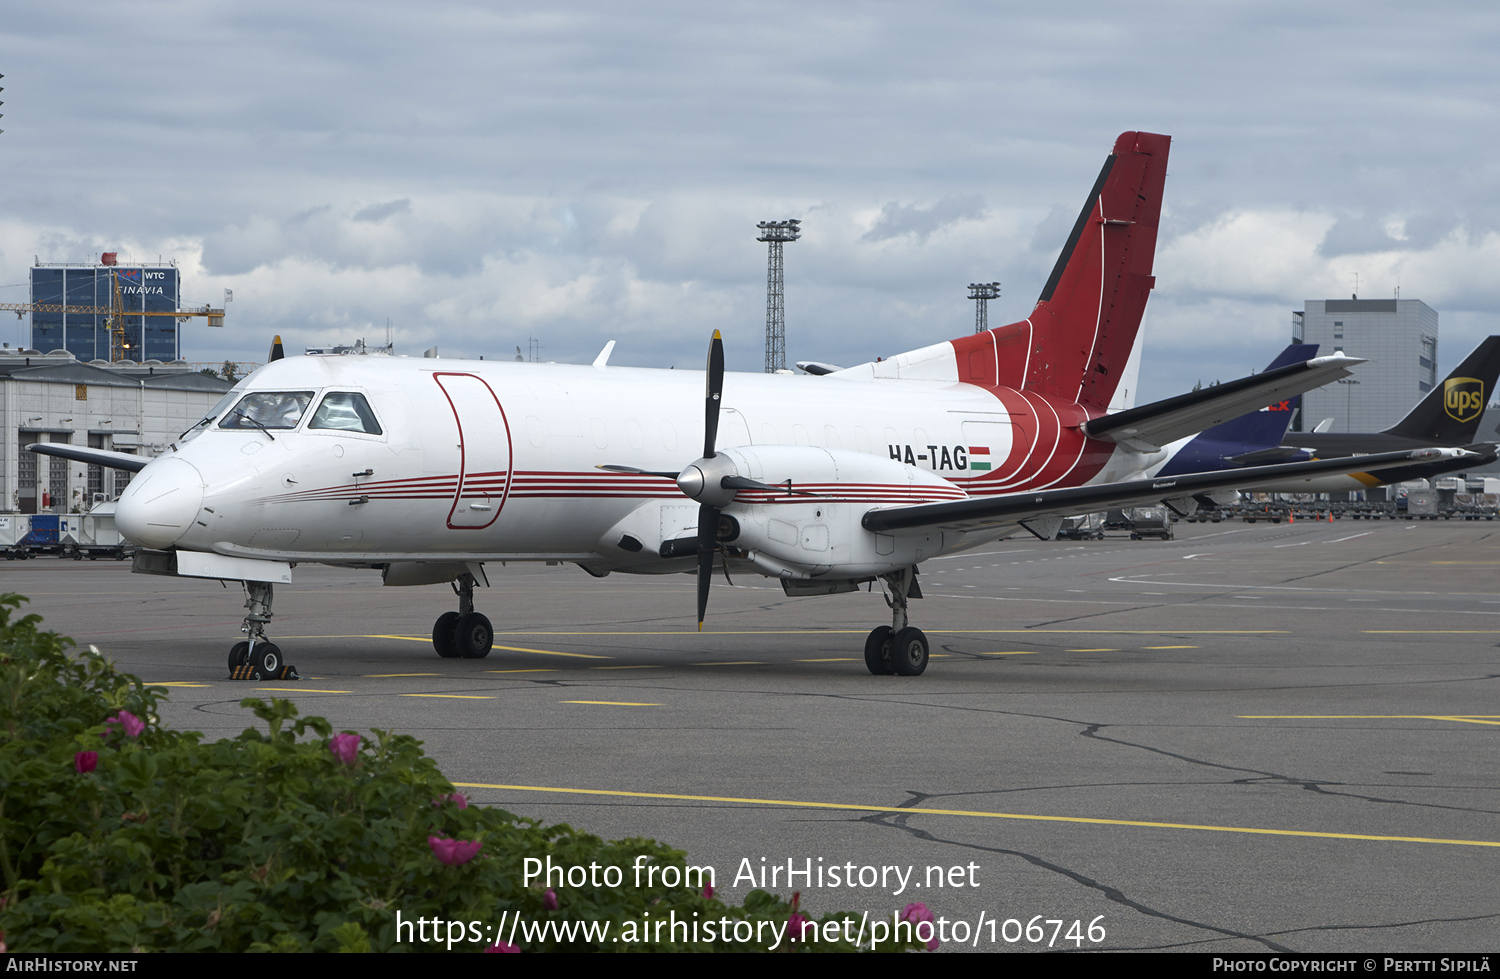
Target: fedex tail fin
{"x": 1449, "y": 415}
{"x": 1267, "y": 426}
{"x": 1076, "y": 343}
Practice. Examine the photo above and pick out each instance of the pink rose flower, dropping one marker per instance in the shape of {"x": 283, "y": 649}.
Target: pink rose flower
{"x": 453, "y": 852}
{"x": 345, "y": 747}
{"x": 916, "y": 913}
{"x": 86, "y": 761}
{"x": 502, "y": 947}
{"x": 549, "y": 900}
{"x": 798, "y": 925}
{"x": 128, "y": 722}
{"x": 708, "y": 892}
{"x": 458, "y": 800}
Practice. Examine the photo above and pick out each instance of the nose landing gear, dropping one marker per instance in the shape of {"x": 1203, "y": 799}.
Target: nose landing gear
{"x": 465, "y": 633}
{"x": 898, "y": 648}
{"x": 258, "y": 658}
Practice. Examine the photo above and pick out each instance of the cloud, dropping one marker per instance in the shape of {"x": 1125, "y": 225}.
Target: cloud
{"x": 379, "y": 212}
{"x": 1358, "y": 236}
{"x": 578, "y": 171}
{"x": 896, "y": 220}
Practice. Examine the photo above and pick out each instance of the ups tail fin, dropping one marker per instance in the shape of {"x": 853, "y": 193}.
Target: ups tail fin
{"x": 1076, "y": 344}
{"x": 1450, "y": 413}
{"x": 1267, "y": 426}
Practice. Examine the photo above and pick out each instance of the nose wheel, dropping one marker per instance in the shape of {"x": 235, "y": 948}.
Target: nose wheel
{"x": 465, "y": 634}
{"x": 898, "y": 648}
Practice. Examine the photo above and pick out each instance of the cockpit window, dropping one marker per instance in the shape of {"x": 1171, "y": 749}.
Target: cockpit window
{"x": 345, "y": 411}
{"x": 214, "y": 412}
{"x": 268, "y": 410}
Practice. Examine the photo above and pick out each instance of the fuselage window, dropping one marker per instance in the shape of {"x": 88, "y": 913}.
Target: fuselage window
{"x": 345, "y": 411}
{"x": 268, "y": 409}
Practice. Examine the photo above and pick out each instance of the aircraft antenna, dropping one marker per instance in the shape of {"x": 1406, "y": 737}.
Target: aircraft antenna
{"x": 982, "y": 293}
{"x": 776, "y": 234}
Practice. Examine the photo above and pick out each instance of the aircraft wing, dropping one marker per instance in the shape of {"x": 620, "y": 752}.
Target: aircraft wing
{"x": 94, "y": 457}
{"x": 1012, "y": 508}
{"x": 1152, "y": 426}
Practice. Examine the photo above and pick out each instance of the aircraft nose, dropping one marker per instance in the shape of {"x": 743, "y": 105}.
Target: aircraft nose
{"x": 159, "y": 505}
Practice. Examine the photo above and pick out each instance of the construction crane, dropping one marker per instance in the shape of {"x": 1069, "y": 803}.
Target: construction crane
{"x": 116, "y": 313}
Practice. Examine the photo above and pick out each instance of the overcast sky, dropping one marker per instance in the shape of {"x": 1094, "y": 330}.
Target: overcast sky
{"x": 481, "y": 174}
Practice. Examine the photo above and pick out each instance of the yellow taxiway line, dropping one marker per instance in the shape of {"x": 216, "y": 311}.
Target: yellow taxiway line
{"x": 980, "y": 814}
{"x": 1461, "y": 718}
{"x": 448, "y": 696}
{"x": 513, "y": 649}
{"x": 605, "y": 703}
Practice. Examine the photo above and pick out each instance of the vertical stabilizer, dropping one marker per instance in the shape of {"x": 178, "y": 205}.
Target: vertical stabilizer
{"x": 1450, "y": 413}
{"x": 1076, "y": 344}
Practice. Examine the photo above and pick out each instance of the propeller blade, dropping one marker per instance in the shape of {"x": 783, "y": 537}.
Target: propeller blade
{"x": 708, "y": 526}
{"x": 745, "y": 483}
{"x": 276, "y": 351}
{"x": 715, "y": 390}
{"x": 638, "y": 472}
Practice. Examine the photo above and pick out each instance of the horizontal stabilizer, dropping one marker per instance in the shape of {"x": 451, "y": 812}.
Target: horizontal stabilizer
{"x": 94, "y": 457}
{"x": 1013, "y": 508}
{"x": 1152, "y": 426}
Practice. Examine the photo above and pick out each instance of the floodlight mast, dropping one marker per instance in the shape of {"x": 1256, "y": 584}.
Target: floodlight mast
{"x": 982, "y": 293}
{"x": 776, "y": 234}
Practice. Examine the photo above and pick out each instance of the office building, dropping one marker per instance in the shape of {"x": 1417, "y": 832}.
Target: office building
{"x": 1398, "y": 338}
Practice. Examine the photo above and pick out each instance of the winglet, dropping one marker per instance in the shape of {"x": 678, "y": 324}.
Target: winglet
{"x": 602, "y": 360}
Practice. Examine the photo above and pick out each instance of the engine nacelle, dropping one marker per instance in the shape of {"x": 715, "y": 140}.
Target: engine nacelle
{"x": 812, "y": 528}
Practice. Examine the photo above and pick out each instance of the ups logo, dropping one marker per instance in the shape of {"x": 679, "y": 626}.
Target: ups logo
{"x": 1463, "y": 398}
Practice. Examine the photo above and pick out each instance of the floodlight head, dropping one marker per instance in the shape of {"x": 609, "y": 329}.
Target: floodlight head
{"x": 779, "y": 231}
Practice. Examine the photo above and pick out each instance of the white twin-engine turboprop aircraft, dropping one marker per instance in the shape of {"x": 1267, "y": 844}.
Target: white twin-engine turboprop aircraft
{"x": 427, "y": 469}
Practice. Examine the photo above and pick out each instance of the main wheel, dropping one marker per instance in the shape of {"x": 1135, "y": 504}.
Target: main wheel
{"x": 267, "y": 659}
{"x": 909, "y": 652}
{"x": 238, "y": 654}
{"x": 878, "y": 651}
{"x": 473, "y": 636}
{"x": 442, "y": 635}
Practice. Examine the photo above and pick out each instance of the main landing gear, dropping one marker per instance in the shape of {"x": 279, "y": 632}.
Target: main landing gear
{"x": 898, "y": 648}
{"x": 258, "y": 658}
{"x": 464, "y": 633}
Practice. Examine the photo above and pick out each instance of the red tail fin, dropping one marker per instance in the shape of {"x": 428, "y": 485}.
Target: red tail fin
{"x": 1075, "y": 343}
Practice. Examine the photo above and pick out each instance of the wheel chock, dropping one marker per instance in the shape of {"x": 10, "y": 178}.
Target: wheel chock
{"x": 254, "y": 673}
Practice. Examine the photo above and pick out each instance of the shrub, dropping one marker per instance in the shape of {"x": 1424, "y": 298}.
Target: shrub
{"x": 117, "y": 834}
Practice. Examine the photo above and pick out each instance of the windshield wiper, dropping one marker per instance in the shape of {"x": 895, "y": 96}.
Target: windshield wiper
{"x": 255, "y": 423}
{"x": 201, "y": 422}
